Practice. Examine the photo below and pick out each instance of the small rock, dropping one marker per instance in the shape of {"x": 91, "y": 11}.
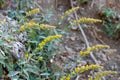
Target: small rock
{"x": 109, "y": 51}
{"x": 72, "y": 38}
{"x": 77, "y": 48}
{"x": 74, "y": 28}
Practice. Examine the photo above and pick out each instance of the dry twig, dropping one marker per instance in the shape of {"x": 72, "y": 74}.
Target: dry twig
{"x": 85, "y": 38}
{"x": 39, "y": 6}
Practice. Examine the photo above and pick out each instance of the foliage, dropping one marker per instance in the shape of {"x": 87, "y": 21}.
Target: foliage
{"x": 1, "y": 3}
{"x": 81, "y": 70}
{"x": 24, "y": 4}
{"x": 83, "y": 1}
{"x": 88, "y": 50}
{"x": 33, "y": 61}
{"x": 111, "y": 26}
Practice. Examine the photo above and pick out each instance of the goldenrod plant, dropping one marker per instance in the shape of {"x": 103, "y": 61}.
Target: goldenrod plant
{"x": 79, "y": 70}
{"x": 69, "y": 12}
{"x": 32, "y": 63}
{"x": 33, "y": 24}
{"x": 31, "y": 56}
{"x": 93, "y": 48}
{"x": 99, "y": 75}
{"x": 48, "y": 39}
{"x": 33, "y": 11}
{"x": 82, "y": 69}
{"x": 90, "y": 78}
{"x": 87, "y": 20}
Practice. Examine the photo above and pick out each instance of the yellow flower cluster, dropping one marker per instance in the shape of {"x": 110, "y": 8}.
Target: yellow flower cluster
{"x": 3, "y": 21}
{"x": 89, "y": 49}
{"x": 87, "y": 20}
{"x": 70, "y": 11}
{"x": 85, "y": 68}
{"x": 22, "y": 28}
{"x": 26, "y": 55}
{"x": 48, "y": 39}
{"x": 80, "y": 70}
{"x": 90, "y": 78}
{"x": 65, "y": 77}
{"x": 31, "y": 24}
{"x": 33, "y": 11}
{"x": 105, "y": 73}
{"x": 45, "y": 26}
{"x": 40, "y": 58}
{"x": 27, "y": 25}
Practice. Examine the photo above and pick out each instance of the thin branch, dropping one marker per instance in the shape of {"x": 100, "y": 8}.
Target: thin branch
{"x": 92, "y": 3}
{"x": 38, "y": 6}
{"x": 85, "y": 38}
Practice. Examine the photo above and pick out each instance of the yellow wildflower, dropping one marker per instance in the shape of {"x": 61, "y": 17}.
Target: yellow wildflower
{"x": 70, "y": 11}
{"x": 26, "y": 55}
{"x": 87, "y": 20}
{"x": 73, "y": 73}
{"x": 28, "y": 25}
{"x": 45, "y": 26}
{"x": 4, "y": 20}
{"x": 63, "y": 78}
{"x": 77, "y": 69}
{"x": 48, "y": 39}
{"x": 105, "y": 73}
{"x": 102, "y": 46}
{"x": 68, "y": 77}
{"x": 84, "y": 53}
{"x": 80, "y": 70}
{"x": 40, "y": 58}
{"x": 33, "y": 24}
{"x": 85, "y": 68}
{"x": 33, "y": 11}
{"x": 90, "y": 78}
{"x": 22, "y": 28}
{"x": 89, "y": 49}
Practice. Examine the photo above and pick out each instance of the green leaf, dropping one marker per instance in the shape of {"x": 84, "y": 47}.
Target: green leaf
{"x": 26, "y": 73}
{"x": 118, "y": 26}
{"x": 45, "y": 74}
{"x": 13, "y": 73}
{"x": 32, "y": 69}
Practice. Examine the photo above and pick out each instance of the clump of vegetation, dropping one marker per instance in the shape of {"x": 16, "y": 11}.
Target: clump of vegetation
{"x": 110, "y": 23}
{"x": 83, "y": 1}
{"x": 34, "y": 61}
{"x": 39, "y": 49}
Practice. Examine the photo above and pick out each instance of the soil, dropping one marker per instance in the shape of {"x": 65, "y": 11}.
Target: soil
{"x": 73, "y": 42}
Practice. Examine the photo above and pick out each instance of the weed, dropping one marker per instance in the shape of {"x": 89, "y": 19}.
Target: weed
{"x": 109, "y": 22}
{"x": 33, "y": 61}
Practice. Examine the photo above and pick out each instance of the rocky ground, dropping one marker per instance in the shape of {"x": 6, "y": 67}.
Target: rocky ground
{"x": 73, "y": 41}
